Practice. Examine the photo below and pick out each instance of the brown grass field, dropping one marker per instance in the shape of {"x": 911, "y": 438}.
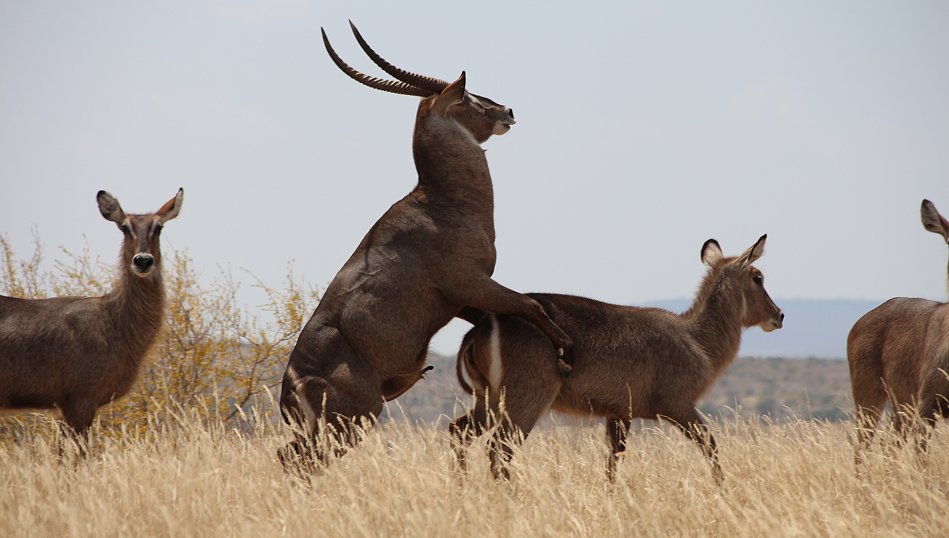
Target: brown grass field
{"x": 187, "y": 479}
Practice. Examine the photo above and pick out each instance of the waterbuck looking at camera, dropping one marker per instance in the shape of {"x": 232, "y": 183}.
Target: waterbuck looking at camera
{"x": 79, "y": 353}
{"x": 428, "y": 259}
{"x": 900, "y": 351}
{"x": 629, "y": 362}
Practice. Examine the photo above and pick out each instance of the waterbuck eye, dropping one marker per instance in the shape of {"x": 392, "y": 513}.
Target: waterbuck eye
{"x": 758, "y": 279}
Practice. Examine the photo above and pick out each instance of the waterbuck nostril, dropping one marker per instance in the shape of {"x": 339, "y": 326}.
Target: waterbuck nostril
{"x": 510, "y": 112}
{"x": 143, "y": 262}
{"x": 781, "y": 317}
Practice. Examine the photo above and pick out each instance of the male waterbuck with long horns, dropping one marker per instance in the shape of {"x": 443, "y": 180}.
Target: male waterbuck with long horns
{"x": 900, "y": 351}
{"x": 428, "y": 259}
{"x": 79, "y": 353}
{"x": 629, "y": 362}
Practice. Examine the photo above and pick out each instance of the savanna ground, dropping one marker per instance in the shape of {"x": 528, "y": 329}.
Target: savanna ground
{"x": 191, "y": 451}
{"x": 188, "y": 478}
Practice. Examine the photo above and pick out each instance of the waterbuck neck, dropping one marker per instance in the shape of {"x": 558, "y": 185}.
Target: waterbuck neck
{"x": 715, "y": 318}
{"x": 137, "y": 307}
{"x": 452, "y": 168}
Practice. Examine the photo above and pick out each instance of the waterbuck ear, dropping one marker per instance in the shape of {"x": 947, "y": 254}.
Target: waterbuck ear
{"x": 110, "y": 208}
{"x": 754, "y": 252}
{"x": 711, "y": 252}
{"x": 455, "y": 92}
{"x": 933, "y": 221}
{"x": 171, "y": 208}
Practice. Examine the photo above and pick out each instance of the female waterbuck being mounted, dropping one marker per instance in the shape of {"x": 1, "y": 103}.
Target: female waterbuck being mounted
{"x": 629, "y": 362}
{"x": 78, "y": 353}
{"x": 428, "y": 259}
{"x": 900, "y": 350}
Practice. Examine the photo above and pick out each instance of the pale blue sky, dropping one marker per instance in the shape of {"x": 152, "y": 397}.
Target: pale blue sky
{"x": 644, "y": 128}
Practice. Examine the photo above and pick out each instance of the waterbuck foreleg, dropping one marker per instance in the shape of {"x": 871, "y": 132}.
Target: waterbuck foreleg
{"x": 78, "y": 415}
{"x": 691, "y": 423}
{"x": 471, "y": 315}
{"x": 617, "y": 432}
{"x": 486, "y": 294}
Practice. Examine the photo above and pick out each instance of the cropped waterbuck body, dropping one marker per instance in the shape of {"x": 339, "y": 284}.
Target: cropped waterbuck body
{"x": 629, "y": 362}
{"x": 428, "y": 259}
{"x": 78, "y": 353}
{"x": 900, "y": 351}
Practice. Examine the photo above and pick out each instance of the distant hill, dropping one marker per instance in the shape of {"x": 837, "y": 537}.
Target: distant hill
{"x": 812, "y": 327}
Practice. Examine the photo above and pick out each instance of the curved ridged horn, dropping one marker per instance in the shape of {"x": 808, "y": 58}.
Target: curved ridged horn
{"x": 373, "y": 82}
{"x": 419, "y": 81}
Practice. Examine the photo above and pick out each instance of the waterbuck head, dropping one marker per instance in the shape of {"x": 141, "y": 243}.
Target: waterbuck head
{"x": 140, "y": 249}
{"x": 748, "y": 281}
{"x": 481, "y": 116}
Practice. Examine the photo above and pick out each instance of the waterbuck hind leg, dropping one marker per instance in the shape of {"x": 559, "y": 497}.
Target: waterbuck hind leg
{"x": 517, "y": 417}
{"x": 297, "y": 457}
{"x": 932, "y": 406}
{"x": 694, "y": 427}
{"x": 329, "y": 417}
{"x": 306, "y": 454}
{"x": 869, "y": 395}
{"x": 464, "y": 429}
{"x": 867, "y": 418}
{"x": 332, "y": 398}
{"x": 928, "y": 413}
{"x": 617, "y": 433}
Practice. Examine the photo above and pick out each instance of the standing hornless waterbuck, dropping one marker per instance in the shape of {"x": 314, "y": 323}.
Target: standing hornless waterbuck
{"x": 79, "y": 353}
{"x": 428, "y": 259}
{"x": 900, "y": 351}
{"x": 629, "y": 362}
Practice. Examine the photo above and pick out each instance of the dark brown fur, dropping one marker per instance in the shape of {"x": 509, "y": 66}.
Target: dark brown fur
{"x": 899, "y": 351}
{"x": 430, "y": 256}
{"x": 78, "y": 353}
{"x": 628, "y": 362}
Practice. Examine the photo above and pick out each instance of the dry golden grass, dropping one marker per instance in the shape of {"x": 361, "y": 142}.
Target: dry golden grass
{"x": 187, "y": 480}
